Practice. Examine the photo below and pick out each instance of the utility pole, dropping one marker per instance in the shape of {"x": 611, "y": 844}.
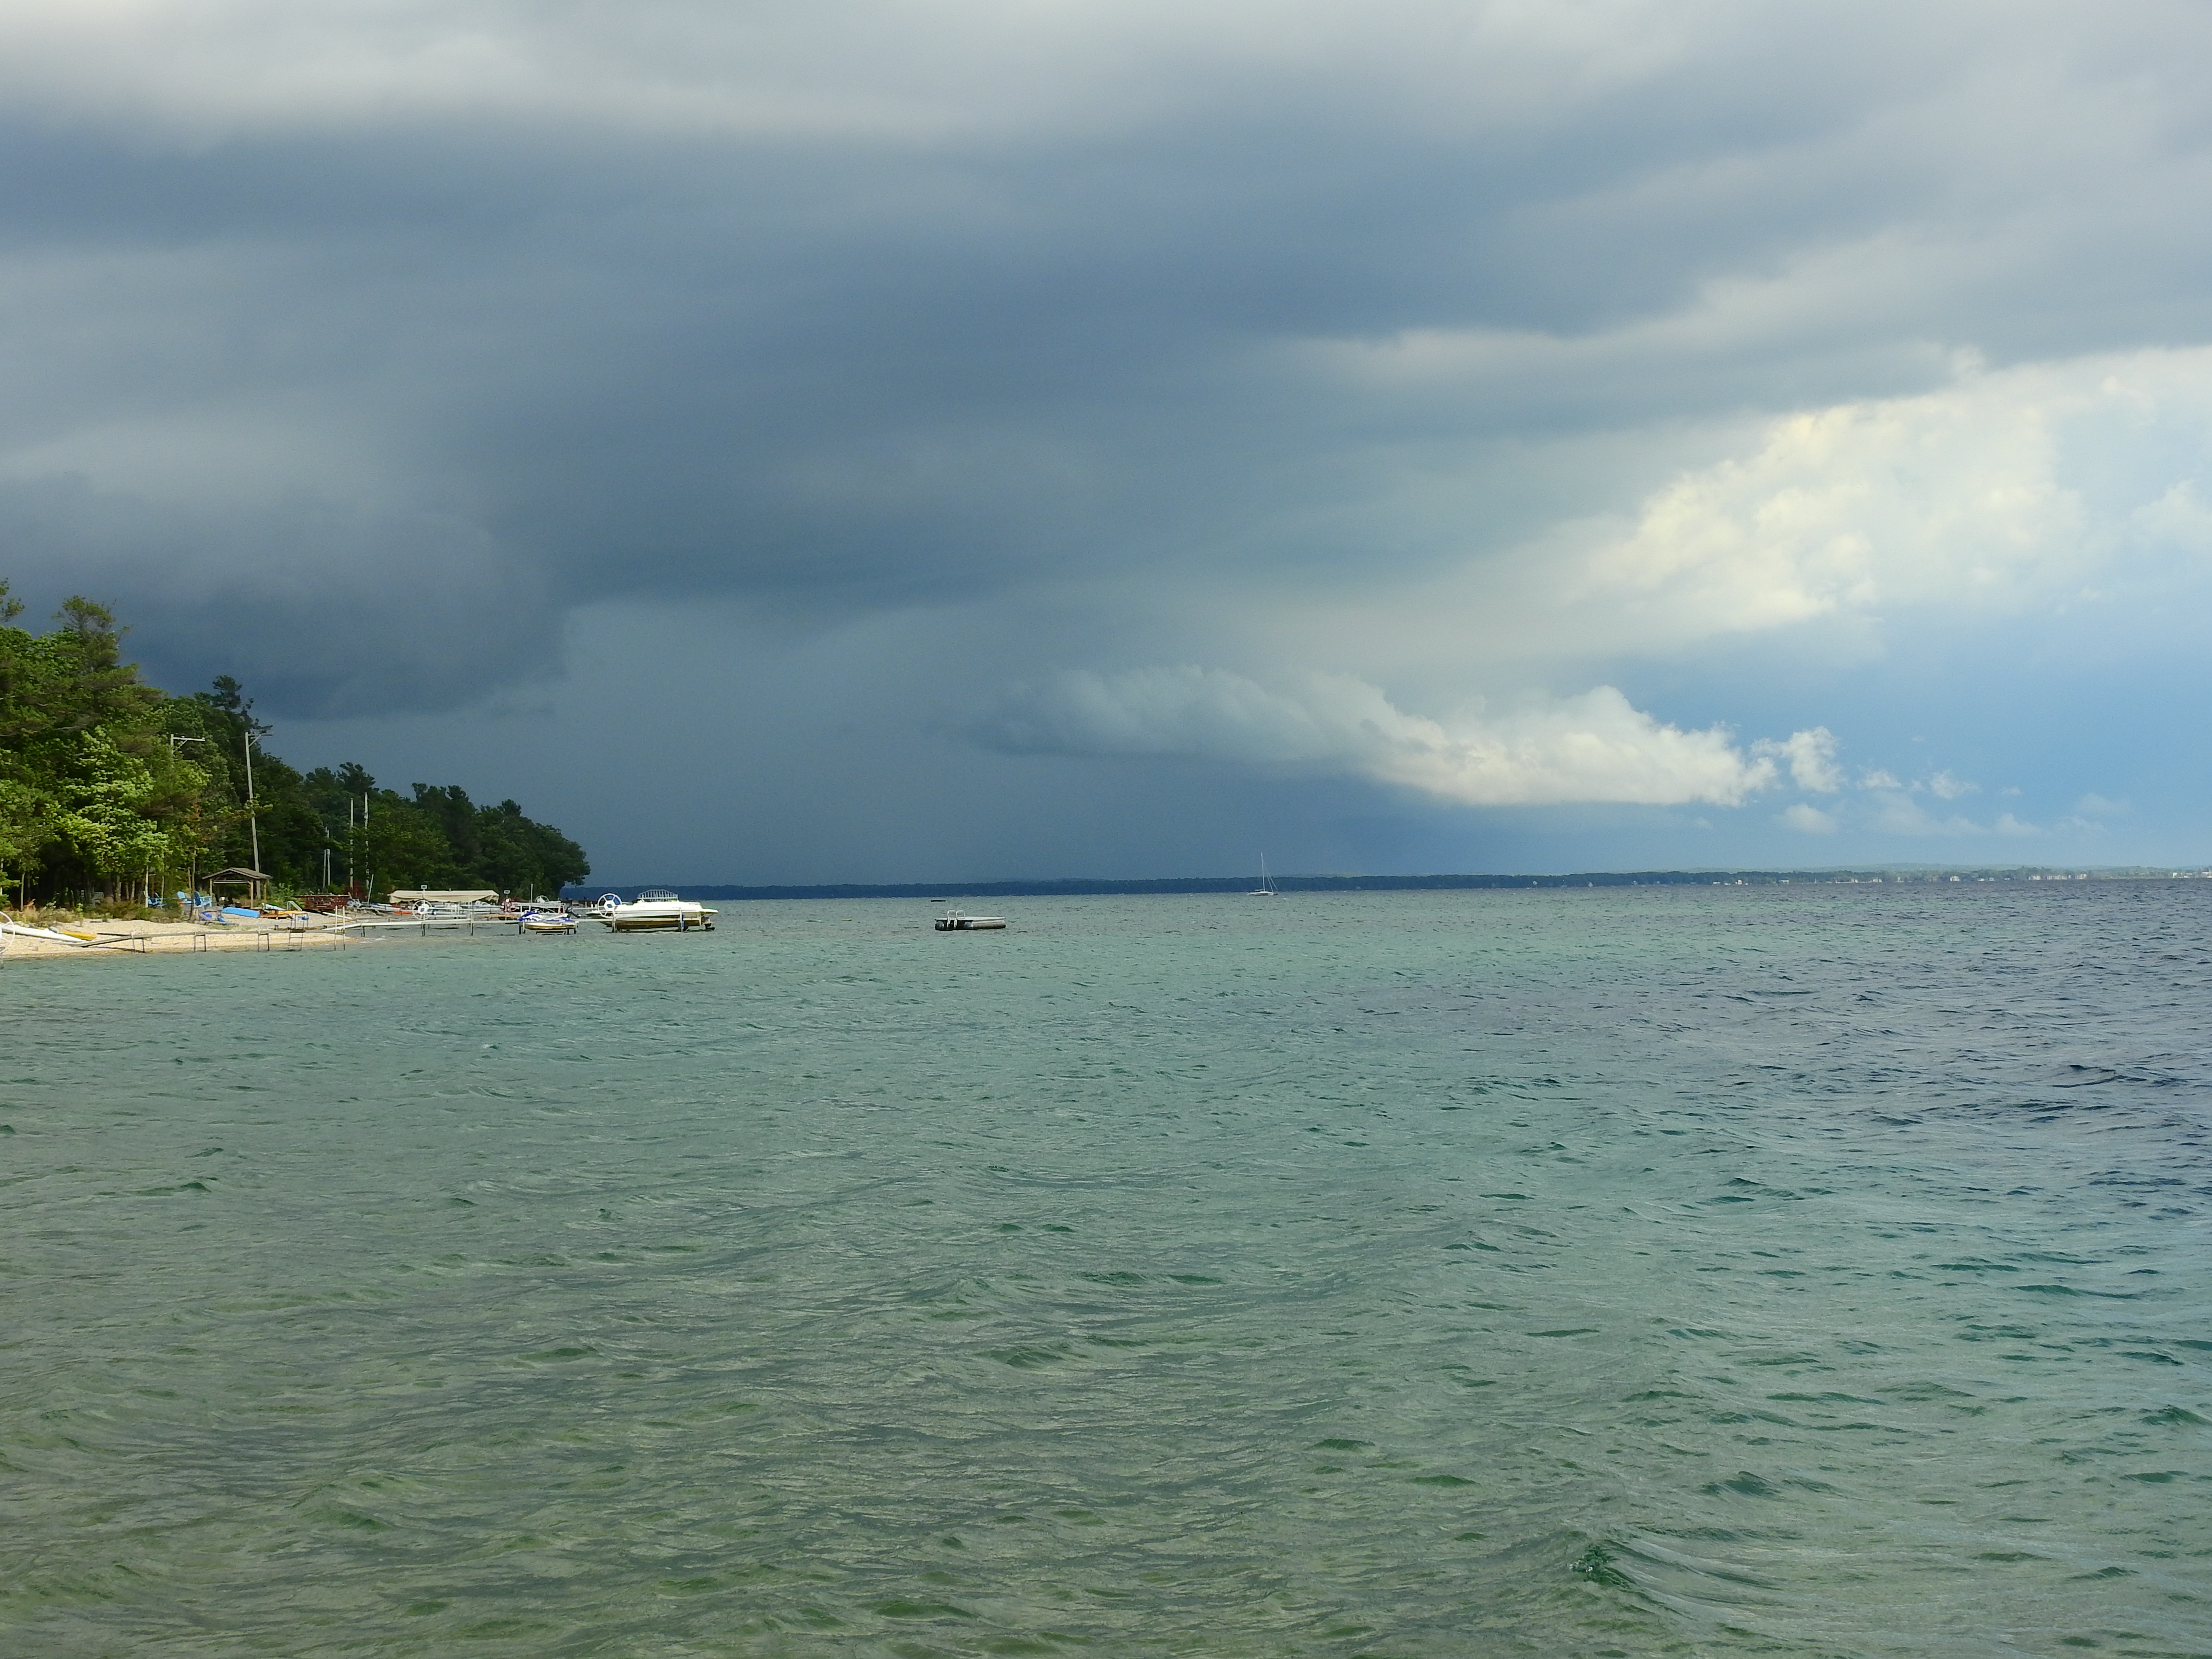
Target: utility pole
{"x": 252, "y": 824}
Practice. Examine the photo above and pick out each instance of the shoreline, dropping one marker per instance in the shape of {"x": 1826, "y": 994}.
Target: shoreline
{"x": 175, "y": 939}
{"x": 271, "y": 934}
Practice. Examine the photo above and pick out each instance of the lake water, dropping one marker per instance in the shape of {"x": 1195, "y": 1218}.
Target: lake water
{"x": 1798, "y": 1270}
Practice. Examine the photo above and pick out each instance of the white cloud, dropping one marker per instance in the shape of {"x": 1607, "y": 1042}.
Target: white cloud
{"x": 2000, "y": 494}
{"x": 2179, "y": 518}
{"x": 1809, "y": 819}
{"x": 1897, "y": 814}
{"x": 1878, "y": 778}
{"x": 2002, "y": 490}
{"x": 1590, "y": 748}
{"x": 1811, "y": 757}
{"x": 1951, "y": 496}
{"x": 2097, "y": 806}
{"x": 1944, "y": 786}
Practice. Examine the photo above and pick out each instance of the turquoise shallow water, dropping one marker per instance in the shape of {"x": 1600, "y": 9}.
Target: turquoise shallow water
{"x": 1801, "y": 1271}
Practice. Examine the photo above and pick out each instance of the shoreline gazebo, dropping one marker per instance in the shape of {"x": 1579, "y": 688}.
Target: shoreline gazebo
{"x": 238, "y": 875}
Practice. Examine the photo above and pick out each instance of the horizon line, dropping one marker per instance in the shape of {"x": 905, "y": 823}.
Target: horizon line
{"x": 1075, "y": 886}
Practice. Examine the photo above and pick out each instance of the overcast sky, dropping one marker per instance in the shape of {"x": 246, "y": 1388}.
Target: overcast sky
{"x": 995, "y": 438}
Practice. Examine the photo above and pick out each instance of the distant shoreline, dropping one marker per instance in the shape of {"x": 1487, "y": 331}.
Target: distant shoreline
{"x": 1083, "y": 887}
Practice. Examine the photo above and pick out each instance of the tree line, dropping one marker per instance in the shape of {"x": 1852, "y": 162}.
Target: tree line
{"x": 112, "y": 785}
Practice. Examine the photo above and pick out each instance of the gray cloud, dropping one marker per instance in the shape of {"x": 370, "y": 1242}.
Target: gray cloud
{"x": 352, "y": 354}
{"x": 880, "y": 330}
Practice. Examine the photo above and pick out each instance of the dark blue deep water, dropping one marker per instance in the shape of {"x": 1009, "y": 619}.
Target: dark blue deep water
{"x": 1797, "y": 1271}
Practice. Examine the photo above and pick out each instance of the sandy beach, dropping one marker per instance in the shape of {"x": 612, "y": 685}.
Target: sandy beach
{"x": 144, "y": 938}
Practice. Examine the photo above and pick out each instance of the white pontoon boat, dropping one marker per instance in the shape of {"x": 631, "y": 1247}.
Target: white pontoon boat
{"x": 654, "y": 910}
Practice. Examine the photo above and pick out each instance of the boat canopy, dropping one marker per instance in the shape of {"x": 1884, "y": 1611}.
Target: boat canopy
{"x": 441, "y": 895}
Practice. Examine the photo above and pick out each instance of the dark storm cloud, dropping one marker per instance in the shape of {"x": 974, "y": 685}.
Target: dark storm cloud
{"x": 448, "y": 372}
{"x": 320, "y": 605}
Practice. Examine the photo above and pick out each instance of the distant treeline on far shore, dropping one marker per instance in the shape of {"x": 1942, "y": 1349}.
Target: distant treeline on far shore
{"x": 110, "y": 786}
{"x": 1170, "y": 884}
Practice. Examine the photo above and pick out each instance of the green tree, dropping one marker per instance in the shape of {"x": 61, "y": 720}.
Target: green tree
{"x": 406, "y": 846}
{"x": 109, "y": 808}
{"x": 105, "y": 779}
{"x": 529, "y": 860}
{"x": 23, "y": 802}
{"x": 85, "y": 780}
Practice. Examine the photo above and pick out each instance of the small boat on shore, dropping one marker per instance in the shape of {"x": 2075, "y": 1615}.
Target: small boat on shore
{"x": 952, "y": 921}
{"x": 78, "y": 936}
{"x": 655, "y": 910}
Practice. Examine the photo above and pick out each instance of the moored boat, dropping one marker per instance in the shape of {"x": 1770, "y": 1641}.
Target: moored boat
{"x": 655, "y": 910}
{"x": 952, "y": 921}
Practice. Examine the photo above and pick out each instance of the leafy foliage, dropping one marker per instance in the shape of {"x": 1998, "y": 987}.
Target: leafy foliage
{"x": 108, "y": 782}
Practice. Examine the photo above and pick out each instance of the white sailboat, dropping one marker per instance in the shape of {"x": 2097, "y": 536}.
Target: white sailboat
{"x": 1267, "y": 887}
